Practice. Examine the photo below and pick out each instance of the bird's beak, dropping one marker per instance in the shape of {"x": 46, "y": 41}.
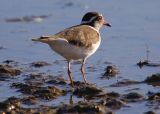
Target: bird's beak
{"x": 107, "y": 24}
{"x": 41, "y": 39}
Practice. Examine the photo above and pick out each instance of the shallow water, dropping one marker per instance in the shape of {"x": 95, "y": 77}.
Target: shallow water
{"x": 135, "y": 24}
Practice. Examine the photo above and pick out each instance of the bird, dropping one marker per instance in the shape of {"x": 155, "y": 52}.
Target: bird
{"x": 77, "y": 42}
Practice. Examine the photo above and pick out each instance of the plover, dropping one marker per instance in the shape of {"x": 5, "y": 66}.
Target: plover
{"x": 77, "y": 42}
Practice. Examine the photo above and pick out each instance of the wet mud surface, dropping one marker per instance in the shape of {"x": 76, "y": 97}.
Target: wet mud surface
{"x": 33, "y": 79}
{"x": 38, "y": 88}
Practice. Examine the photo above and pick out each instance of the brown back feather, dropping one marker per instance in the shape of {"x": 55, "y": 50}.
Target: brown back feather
{"x": 80, "y": 35}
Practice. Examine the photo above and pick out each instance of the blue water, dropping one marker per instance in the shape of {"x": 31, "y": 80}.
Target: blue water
{"x": 135, "y": 24}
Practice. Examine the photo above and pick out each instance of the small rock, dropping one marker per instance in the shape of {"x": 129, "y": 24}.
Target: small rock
{"x": 8, "y": 70}
{"x": 149, "y": 112}
{"x": 133, "y": 97}
{"x": 11, "y": 63}
{"x": 13, "y": 106}
{"x": 78, "y": 84}
{"x": 48, "y": 93}
{"x": 115, "y": 103}
{"x": 154, "y": 96}
{"x": 110, "y": 72}
{"x": 39, "y": 64}
{"x": 25, "y": 88}
{"x": 147, "y": 63}
{"x": 153, "y": 80}
{"x": 142, "y": 63}
{"x": 35, "y": 79}
{"x": 113, "y": 95}
{"x": 8, "y": 61}
{"x": 57, "y": 80}
{"x": 29, "y": 100}
{"x": 89, "y": 92}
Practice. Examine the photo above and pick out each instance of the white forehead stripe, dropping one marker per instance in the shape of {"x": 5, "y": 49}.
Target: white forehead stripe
{"x": 84, "y": 22}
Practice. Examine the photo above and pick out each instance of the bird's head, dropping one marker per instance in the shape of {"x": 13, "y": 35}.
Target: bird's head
{"x": 95, "y": 20}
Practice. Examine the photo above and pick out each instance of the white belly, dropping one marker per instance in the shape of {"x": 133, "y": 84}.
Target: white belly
{"x": 72, "y": 52}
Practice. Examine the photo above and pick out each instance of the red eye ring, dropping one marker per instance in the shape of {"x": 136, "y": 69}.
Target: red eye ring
{"x": 99, "y": 17}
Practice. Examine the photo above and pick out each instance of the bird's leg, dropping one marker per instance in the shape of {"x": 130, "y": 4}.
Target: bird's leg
{"x": 70, "y": 73}
{"x": 83, "y": 72}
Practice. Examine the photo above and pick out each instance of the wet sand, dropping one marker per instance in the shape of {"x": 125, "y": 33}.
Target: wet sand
{"x": 34, "y": 79}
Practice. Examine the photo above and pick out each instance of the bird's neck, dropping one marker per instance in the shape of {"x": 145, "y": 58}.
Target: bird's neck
{"x": 94, "y": 25}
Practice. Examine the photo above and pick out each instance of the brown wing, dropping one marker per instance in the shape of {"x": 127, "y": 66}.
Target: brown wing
{"x": 81, "y": 35}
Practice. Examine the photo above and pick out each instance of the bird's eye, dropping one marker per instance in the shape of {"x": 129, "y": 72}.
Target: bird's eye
{"x": 99, "y": 17}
